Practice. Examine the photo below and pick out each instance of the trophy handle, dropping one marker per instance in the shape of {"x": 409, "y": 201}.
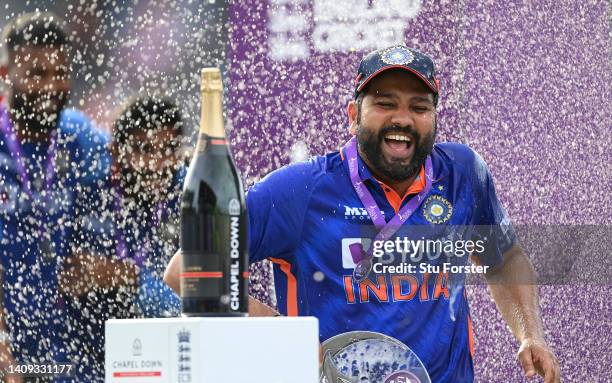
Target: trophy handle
{"x": 330, "y": 372}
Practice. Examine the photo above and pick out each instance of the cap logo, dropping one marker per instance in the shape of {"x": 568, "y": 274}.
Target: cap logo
{"x": 398, "y": 55}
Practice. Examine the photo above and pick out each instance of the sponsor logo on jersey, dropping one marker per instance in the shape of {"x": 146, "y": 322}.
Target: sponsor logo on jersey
{"x": 356, "y": 213}
{"x": 350, "y": 247}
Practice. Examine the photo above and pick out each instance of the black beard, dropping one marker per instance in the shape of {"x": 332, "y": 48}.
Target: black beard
{"x": 370, "y": 145}
{"x": 33, "y": 122}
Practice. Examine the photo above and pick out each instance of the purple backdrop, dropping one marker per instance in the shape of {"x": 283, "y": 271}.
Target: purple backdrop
{"x": 526, "y": 85}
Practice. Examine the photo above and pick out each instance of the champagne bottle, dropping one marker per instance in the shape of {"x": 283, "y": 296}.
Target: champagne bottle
{"x": 214, "y": 278}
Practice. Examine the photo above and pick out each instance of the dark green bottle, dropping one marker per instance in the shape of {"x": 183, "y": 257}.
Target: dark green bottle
{"x": 214, "y": 277}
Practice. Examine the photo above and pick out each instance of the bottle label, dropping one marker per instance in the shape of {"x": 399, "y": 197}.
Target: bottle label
{"x": 200, "y": 283}
{"x": 234, "y": 211}
{"x": 204, "y": 140}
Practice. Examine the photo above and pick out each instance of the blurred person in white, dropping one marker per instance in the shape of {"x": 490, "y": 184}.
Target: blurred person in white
{"x": 53, "y": 167}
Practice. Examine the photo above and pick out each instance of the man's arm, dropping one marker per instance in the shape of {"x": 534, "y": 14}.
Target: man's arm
{"x": 6, "y": 353}
{"x": 514, "y": 290}
{"x": 172, "y": 279}
{"x": 83, "y": 273}
{"x": 6, "y": 356}
{"x": 173, "y": 271}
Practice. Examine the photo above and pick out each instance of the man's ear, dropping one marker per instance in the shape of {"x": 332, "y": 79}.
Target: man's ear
{"x": 351, "y": 110}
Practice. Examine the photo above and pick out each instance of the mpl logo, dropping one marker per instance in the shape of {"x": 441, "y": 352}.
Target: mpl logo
{"x": 357, "y": 213}
{"x": 354, "y": 211}
{"x": 352, "y": 250}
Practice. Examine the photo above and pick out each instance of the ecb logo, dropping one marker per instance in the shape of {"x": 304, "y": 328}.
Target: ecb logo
{"x": 184, "y": 356}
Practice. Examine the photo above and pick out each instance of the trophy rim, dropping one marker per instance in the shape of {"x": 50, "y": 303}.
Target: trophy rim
{"x": 337, "y": 342}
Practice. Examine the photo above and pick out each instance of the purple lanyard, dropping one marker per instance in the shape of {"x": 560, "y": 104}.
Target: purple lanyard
{"x": 385, "y": 230}
{"x": 16, "y": 150}
{"x": 121, "y": 247}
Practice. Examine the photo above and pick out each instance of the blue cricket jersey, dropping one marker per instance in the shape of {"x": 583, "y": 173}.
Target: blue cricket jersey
{"x": 305, "y": 217}
{"x": 151, "y": 241}
{"x": 45, "y": 325}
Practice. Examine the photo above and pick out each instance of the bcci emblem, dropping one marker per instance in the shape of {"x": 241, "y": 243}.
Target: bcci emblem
{"x": 437, "y": 209}
{"x": 398, "y": 55}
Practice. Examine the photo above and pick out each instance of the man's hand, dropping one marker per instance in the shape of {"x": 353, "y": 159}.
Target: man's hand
{"x": 536, "y": 357}
{"x": 514, "y": 290}
{"x": 83, "y": 273}
{"x": 6, "y": 359}
{"x": 172, "y": 279}
{"x": 260, "y": 309}
{"x": 173, "y": 271}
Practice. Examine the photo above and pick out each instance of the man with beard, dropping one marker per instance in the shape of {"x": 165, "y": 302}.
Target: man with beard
{"x": 147, "y": 180}
{"x": 319, "y": 223}
{"x": 142, "y": 206}
{"x": 53, "y": 164}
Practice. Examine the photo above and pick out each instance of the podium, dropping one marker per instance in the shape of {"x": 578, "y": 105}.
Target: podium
{"x": 220, "y": 350}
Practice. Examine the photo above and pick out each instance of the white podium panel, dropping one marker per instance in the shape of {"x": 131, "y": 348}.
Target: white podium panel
{"x": 219, "y": 350}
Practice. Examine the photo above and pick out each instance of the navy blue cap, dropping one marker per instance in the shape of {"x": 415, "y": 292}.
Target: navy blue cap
{"x": 398, "y": 56}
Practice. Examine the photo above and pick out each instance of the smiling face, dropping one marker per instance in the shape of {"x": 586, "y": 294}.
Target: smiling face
{"x": 40, "y": 85}
{"x": 395, "y": 124}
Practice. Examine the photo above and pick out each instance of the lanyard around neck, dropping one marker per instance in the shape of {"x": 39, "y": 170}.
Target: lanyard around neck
{"x": 385, "y": 229}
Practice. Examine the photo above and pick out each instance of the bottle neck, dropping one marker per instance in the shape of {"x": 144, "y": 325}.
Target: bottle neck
{"x": 211, "y": 119}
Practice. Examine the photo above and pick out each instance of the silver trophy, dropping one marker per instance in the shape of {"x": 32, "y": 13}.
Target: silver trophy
{"x": 370, "y": 357}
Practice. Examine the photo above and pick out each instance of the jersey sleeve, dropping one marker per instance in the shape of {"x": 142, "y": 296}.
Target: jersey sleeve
{"x": 155, "y": 298}
{"x": 492, "y": 224}
{"x": 276, "y": 207}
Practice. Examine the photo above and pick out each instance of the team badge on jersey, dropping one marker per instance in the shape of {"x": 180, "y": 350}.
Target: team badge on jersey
{"x": 437, "y": 209}
{"x": 397, "y": 56}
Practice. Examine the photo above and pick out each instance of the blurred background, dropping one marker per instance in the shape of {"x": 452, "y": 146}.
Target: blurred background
{"x": 526, "y": 84}
{"x": 123, "y": 48}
